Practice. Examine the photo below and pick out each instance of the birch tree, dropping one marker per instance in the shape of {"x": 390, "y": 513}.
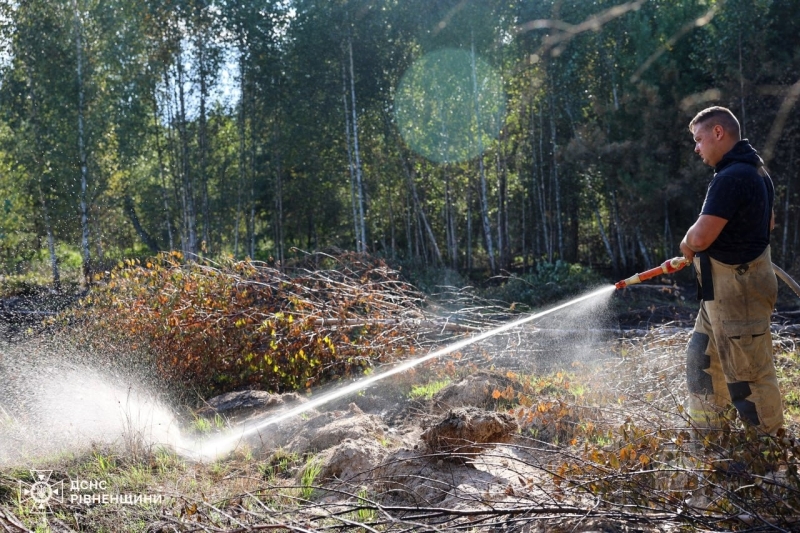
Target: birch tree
{"x": 84, "y": 208}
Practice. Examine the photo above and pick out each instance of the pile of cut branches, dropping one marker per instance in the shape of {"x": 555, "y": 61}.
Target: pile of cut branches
{"x": 224, "y": 326}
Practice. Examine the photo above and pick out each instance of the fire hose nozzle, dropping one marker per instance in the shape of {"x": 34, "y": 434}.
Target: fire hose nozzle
{"x": 667, "y": 267}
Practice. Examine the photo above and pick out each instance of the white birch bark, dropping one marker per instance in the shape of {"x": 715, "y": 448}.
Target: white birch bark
{"x": 359, "y": 178}
{"x": 606, "y": 241}
{"x": 202, "y": 141}
{"x": 242, "y": 156}
{"x": 85, "y": 251}
{"x": 351, "y": 164}
{"x": 190, "y": 217}
{"x": 487, "y": 229}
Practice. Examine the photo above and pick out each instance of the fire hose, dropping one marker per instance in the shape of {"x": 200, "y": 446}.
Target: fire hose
{"x": 676, "y": 263}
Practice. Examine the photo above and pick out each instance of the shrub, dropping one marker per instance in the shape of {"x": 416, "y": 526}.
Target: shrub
{"x": 222, "y": 327}
{"x": 547, "y": 283}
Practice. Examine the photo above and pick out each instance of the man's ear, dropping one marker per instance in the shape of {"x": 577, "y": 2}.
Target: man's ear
{"x": 719, "y": 132}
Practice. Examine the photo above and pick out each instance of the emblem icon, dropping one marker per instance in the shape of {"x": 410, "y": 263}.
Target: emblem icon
{"x": 41, "y": 492}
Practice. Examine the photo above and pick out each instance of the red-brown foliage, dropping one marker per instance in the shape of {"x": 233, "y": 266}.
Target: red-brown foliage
{"x": 220, "y": 327}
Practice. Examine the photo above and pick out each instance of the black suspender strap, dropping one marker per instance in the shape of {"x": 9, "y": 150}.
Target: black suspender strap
{"x": 705, "y": 286}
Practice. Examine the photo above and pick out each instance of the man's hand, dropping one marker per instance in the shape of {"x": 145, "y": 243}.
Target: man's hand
{"x": 687, "y": 252}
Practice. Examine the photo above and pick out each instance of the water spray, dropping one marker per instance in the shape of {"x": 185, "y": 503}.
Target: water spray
{"x": 213, "y": 448}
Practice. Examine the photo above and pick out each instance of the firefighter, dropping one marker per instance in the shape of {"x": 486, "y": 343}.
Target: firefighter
{"x": 729, "y": 356}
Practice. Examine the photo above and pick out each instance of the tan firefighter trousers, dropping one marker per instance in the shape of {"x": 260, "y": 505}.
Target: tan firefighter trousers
{"x": 729, "y": 357}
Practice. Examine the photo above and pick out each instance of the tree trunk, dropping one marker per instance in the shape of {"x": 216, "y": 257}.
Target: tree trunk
{"x": 251, "y": 221}
{"x": 251, "y": 226}
{"x": 667, "y": 230}
{"x": 787, "y": 193}
{"x": 409, "y": 238}
{"x": 618, "y": 229}
{"x": 606, "y": 242}
{"x": 487, "y": 229}
{"x": 423, "y": 220}
{"x": 546, "y": 232}
{"x": 523, "y": 241}
{"x": 87, "y": 269}
{"x": 173, "y": 154}
{"x": 469, "y": 222}
{"x": 161, "y": 175}
{"x": 785, "y": 236}
{"x": 392, "y": 228}
{"x": 524, "y": 229}
{"x": 190, "y": 218}
{"x": 450, "y": 223}
{"x": 743, "y": 118}
{"x": 202, "y": 141}
{"x": 556, "y": 179}
{"x": 279, "y": 244}
{"x": 148, "y": 239}
{"x": 643, "y": 249}
{"x": 422, "y": 248}
{"x": 242, "y": 154}
{"x": 98, "y": 241}
{"x": 503, "y": 240}
{"x": 359, "y": 180}
{"x": 351, "y": 164}
{"x": 219, "y": 222}
{"x": 48, "y": 226}
{"x": 51, "y": 240}
{"x": 795, "y": 239}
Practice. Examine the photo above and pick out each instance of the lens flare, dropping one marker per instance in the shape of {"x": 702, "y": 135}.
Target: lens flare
{"x": 449, "y": 106}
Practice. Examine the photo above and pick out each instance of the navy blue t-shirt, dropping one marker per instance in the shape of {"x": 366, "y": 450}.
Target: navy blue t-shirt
{"x": 743, "y": 196}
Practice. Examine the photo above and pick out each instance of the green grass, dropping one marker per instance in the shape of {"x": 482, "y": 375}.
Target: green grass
{"x": 105, "y": 463}
{"x": 428, "y": 390}
{"x": 280, "y": 465}
{"x": 309, "y": 476}
{"x": 365, "y": 511}
{"x": 203, "y": 425}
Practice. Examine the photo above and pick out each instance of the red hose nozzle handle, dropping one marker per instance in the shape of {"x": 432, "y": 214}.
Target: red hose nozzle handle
{"x": 667, "y": 267}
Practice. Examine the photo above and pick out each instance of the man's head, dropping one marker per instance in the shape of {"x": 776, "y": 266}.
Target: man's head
{"x": 715, "y": 130}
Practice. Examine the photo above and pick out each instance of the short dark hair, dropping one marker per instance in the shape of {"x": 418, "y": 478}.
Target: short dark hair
{"x": 720, "y": 115}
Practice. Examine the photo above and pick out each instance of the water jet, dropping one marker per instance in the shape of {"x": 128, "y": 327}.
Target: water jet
{"x": 226, "y": 443}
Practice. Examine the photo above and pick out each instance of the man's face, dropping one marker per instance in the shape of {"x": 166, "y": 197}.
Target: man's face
{"x": 707, "y": 143}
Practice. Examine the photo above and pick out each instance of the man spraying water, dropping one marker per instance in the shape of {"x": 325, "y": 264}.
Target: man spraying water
{"x": 729, "y": 357}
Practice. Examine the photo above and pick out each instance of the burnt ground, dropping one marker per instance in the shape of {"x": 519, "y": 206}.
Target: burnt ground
{"x": 543, "y": 428}
{"x": 464, "y": 459}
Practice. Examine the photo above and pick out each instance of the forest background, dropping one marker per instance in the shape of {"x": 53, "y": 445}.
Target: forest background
{"x": 474, "y": 136}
